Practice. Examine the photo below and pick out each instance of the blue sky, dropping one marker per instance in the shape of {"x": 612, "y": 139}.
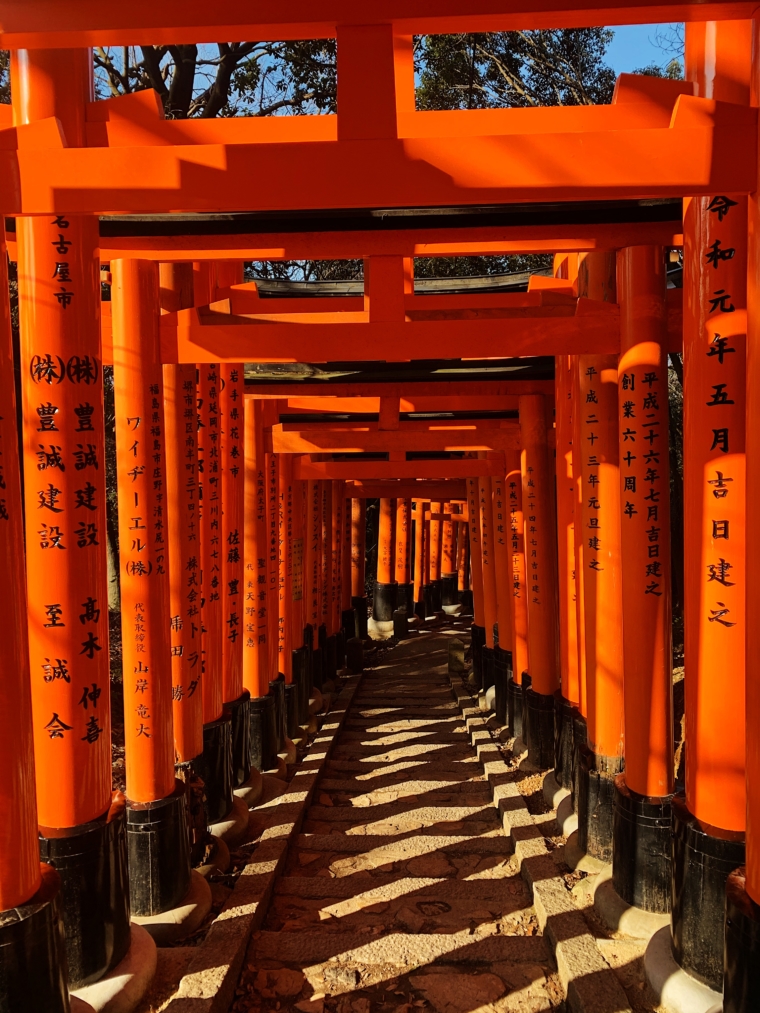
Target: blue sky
{"x": 633, "y": 47}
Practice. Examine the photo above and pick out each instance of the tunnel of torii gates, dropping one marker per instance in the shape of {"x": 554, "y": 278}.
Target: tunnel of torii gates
{"x": 552, "y": 516}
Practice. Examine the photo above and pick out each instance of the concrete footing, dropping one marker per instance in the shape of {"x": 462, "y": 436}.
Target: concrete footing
{"x": 561, "y": 801}
{"x": 315, "y": 701}
{"x": 232, "y": 829}
{"x": 122, "y": 989}
{"x": 181, "y": 921}
{"x": 378, "y": 630}
{"x": 288, "y": 754}
{"x": 250, "y": 792}
{"x": 621, "y": 917}
{"x": 280, "y": 771}
{"x": 578, "y": 860}
{"x": 676, "y": 990}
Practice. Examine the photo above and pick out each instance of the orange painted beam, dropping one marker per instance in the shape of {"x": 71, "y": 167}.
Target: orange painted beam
{"x": 89, "y": 22}
{"x": 436, "y": 159}
{"x": 427, "y": 395}
{"x": 188, "y": 338}
{"x": 303, "y": 468}
{"x": 452, "y": 490}
{"x": 435, "y": 439}
{"x": 471, "y": 242}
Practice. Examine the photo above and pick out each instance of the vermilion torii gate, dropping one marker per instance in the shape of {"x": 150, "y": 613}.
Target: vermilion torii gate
{"x": 65, "y": 159}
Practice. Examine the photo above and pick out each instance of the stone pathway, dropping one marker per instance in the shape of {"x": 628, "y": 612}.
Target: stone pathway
{"x": 401, "y": 892}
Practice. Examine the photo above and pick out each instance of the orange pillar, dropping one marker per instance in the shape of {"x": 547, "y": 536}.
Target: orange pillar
{"x": 143, "y": 552}
{"x": 503, "y": 569}
{"x": 273, "y": 563}
{"x": 541, "y": 578}
{"x": 209, "y": 463}
{"x": 348, "y": 618}
{"x": 144, "y": 575}
{"x": 327, "y": 637}
{"x": 718, "y": 61}
{"x": 568, "y": 628}
{"x": 403, "y": 570}
{"x": 449, "y": 595}
{"x": 64, "y": 465}
{"x": 476, "y": 574}
{"x": 257, "y": 602}
{"x": 418, "y": 505}
{"x": 519, "y": 593}
{"x": 313, "y": 568}
{"x": 384, "y": 599}
{"x": 183, "y": 536}
{"x": 463, "y": 555}
{"x": 285, "y": 560}
{"x": 643, "y": 791}
{"x": 485, "y": 505}
{"x": 336, "y": 525}
{"x": 583, "y": 542}
{"x": 358, "y": 534}
{"x": 436, "y": 551}
{"x": 233, "y": 498}
{"x": 603, "y": 605}
{"x": 23, "y": 879}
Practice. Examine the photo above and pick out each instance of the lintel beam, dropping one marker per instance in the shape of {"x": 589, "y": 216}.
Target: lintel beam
{"x": 336, "y": 442}
{"x": 48, "y": 23}
{"x": 449, "y": 491}
{"x": 304, "y": 468}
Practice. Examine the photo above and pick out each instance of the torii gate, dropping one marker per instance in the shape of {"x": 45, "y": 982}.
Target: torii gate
{"x": 65, "y": 159}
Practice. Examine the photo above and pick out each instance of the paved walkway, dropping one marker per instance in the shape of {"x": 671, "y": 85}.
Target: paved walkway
{"x": 401, "y": 892}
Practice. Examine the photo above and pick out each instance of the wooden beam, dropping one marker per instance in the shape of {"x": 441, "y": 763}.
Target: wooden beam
{"x": 478, "y": 157}
{"x": 435, "y": 395}
{"x": 451, "y": 490}
{"x": 316, "y": 441}
{"x": 48, "y": 23}
{"x": 304, "y": 468}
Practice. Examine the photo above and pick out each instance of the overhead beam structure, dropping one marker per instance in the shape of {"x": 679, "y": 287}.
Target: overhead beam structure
{"x": 317, "y": 440}
{"x": 655, "y": 140}
{"x": 305, "y": 468}
{"x": 171, "y": 22}
{"x": 451, "y": 490}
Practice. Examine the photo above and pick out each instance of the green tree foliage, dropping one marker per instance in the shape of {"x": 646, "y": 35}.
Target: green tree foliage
{"x": 514, "y": 69}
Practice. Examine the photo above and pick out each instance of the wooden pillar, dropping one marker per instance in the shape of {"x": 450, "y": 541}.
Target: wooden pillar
{"x": 285, "y": 562}
{"x": 65, "y": 511}
{"x": 419, "y": 549}
{"x": 517, "y": 547}
{"x": 718, "y": 61}
{"x": 358, "y": 538}
{"x": 541, "y": 578}
{"x": 583, "y": 540}
{"x": 233, "y": 480}
{"x": 256, "y": 671}
{"x": 403, "y": 525}
{"x": 476, "y": 576}
{"x": 20, "y": 876}
{"x": 143, "y": 531}
{"x": 463, "y": 555}
{"x": 209, "y": 464}
{"x": 485, "y": 504}
{"x": 299, "y": 597}
{"x": 436, "y": 549}
{"x": 40, "y": 982}
{"x": 568, "y": 620}
{"x": 336, "y": 526}
{"x": 603, "y": 605}
{"x": 181, "y": 451}
{"x": 503, "y": 571}
{"x": 384, "y": 599}
{"x": 273, "y": 564}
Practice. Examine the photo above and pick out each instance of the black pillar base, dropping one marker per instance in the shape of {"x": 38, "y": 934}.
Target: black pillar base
{"x": 33, "y": 973}
{"x": 477, "y": 643}
{"x": 329, "y": 660}
{"x": 291, "y": 710}
{"x": 216, "y": 768}
{"x": 741, "y": 965}
{"x": 91, "y": 861}
{"x": 277, "y": 692}
{"x": 596, "y": 797}
{"x": 489, "y": 671}
{"x": 515, "y": 709}
{"x": 158, "y": 847}
{"x": 641, "y": 849}
{"x": 340, "y": 650}
{"x": 239, "y": 711}
{"x": 540, "y": 740}
{"x": 384, "y": 602}
{"x": 449, "y": 592}
{"x": 405, "y": 598}
{"x": 502, "y": 678}
{"x": 580, "y": 738}
{"x": 428, "y": 600}
{"x": 348, "y": 623}
{"x": 703, "y": 858}
{"x": 263, "y": 735}
{"x": 400, "y": 624}
{"x": 465, "y": 600}
{"x": 301, "y": 679}
{"x": 355, "y": 655}
{"x": 436, "y": 594}
{"x": 419, "y": 608}
{"x": 188, "y": 773}
{"x": 564, "y": 754}
{"x": 360, "y": 607}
